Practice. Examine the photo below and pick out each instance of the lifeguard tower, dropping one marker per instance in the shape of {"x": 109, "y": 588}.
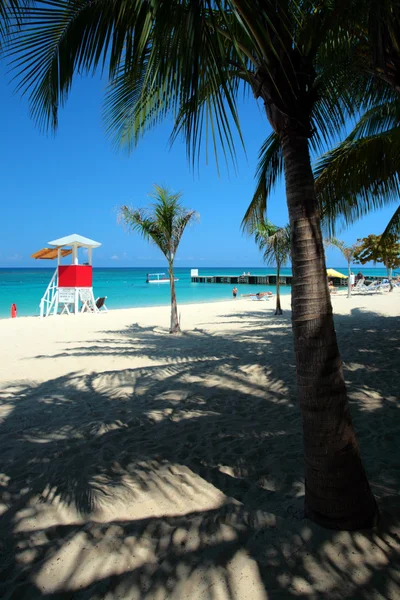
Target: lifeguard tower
{"x": 71, "y": 288}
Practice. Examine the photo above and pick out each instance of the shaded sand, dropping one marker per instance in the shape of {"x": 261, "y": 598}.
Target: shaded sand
{"x": 139, "y": 465}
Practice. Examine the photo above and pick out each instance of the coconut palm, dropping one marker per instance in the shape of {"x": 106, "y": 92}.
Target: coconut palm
{"x": 348, "y": 252}
{"x": 361, "y": 174}
{"x": 274, "y": 242}
{"x": 163, "y": 223}
{"x": 191, "y": 60}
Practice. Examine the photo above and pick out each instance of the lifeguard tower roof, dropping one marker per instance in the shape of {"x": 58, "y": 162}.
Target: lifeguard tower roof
{"x": 74, "y": 239}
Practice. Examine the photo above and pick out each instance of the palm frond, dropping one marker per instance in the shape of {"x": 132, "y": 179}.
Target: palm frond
{"x": 378, "y": 119}
{"x": 269, "y": 171}
{"x": 393, "y": 227}
{"x": 9, "y": 17}
{"x": 357, "y": 177}
{"x": 335, "y": 243}
{"x": 273, "y": 241}
{"x": 346, "y": 250}
{"x": 163, "y": 222}
{"x": 62, "y": 38}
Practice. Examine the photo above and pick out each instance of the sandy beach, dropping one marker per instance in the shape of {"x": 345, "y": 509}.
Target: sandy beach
{"x": 140, "y": 465}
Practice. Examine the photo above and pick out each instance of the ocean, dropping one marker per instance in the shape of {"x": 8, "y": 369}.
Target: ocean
{"x": 127, "y": 288}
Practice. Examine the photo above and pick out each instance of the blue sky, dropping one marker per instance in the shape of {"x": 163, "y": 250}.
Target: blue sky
{"x": 74, "y": 181}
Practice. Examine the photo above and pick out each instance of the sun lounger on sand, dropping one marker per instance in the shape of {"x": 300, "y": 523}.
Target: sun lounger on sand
{"x": 372, "y": 288}
{"x": 259, "y": 296}
{"x": 100, "y": 304}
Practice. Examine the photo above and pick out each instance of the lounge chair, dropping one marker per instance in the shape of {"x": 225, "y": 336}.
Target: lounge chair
{"x": 372, "y": 288}
{"x": 100, "y": 304}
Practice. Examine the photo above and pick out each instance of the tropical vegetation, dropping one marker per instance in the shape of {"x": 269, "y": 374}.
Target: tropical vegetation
{"x": 163, "y": 223}
{"x": 386, "y": 251}
{"x": 348, "y": 252}
{"x": 362, "y": 173}
{"x": 192, "y": 60}
{"x": 274, "y": 243}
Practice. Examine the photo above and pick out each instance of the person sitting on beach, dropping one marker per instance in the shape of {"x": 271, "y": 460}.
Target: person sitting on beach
{"x": 257, "y": 296}
{"x": 234, "y": 291}
{"x": 359, "y": 276}
{"x": 331, "y": 287}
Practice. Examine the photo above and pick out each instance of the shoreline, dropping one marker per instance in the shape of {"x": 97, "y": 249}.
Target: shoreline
{"x": 168, "y": 304}
{"x": 284, "y": 301}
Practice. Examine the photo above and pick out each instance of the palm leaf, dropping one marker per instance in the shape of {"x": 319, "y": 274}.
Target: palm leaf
{"x": 393, "y": 227}
{"x": 273, "y": 241}
{"x": 163, "y": 222}
{"x": 357, "y": 177}
{"x": 269, "y": 170}
{"x": 63, "y": 38}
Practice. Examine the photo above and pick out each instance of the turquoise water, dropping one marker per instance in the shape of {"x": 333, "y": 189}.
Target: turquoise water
{"x": 127, "y": 288}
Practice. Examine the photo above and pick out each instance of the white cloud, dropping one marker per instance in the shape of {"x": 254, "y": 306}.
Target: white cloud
{"x": 15, "y": 257}
{"x": 115, "y": 257}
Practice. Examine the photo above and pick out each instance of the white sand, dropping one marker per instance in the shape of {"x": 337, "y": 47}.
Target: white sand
{"x": 139, "y": 465}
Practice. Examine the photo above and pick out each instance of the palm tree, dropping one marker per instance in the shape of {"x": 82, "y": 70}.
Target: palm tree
{"x": 163, "y": 224}
{"x": 348, "y": 252}
{"x": 274, "y": 242}
{"x": 191, "y": 59}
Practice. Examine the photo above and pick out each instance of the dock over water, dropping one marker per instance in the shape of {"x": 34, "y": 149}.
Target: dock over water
{"x": 243, "y": 279}
{"x": 268, "y": 279}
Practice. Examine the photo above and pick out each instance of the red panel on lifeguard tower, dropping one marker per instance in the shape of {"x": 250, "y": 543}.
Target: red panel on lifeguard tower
{"x": 74, "y": 276}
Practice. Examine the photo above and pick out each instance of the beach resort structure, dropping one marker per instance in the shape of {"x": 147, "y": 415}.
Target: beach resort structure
{"x": 337, "y": 278}
{"x": 236, "y": 279}
{"x": 71, "y": 287}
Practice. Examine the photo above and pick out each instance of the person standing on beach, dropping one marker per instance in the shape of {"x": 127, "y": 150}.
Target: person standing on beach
{"x": 234, "y": 291}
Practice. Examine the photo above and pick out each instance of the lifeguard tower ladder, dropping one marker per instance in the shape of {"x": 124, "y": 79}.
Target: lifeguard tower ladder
{"x": 71, "y": 288}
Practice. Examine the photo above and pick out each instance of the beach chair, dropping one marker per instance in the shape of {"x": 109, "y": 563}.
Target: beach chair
{"x": 100, "y": 304}
{"x": 360, "y": 287}
{"x": 372, "y": 288}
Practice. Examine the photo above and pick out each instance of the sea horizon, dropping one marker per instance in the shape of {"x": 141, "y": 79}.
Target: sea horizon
{"x": 126, "y": 287}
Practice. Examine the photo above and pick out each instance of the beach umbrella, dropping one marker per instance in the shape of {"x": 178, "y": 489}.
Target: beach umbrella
{"x": 333, "y": 273}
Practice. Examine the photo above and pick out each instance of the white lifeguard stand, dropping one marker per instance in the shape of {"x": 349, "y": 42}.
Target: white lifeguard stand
{"x": 71, "y": 288}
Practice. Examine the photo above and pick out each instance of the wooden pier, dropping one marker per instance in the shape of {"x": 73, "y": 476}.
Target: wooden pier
{"x": 242, "y": 279}
{"x": 266, "y": 279}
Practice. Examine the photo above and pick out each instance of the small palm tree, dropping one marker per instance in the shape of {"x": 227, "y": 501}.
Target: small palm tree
{"x": 275, "y": 243}
{"x": 163, "y": 223}
{"x": 348, "y": 252}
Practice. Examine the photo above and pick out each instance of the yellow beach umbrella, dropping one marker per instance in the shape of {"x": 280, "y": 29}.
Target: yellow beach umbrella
{"x": 333, "y": 273}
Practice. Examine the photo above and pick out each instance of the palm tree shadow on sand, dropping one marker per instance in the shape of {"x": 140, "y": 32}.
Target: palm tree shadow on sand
{"x": 184, "y": 479}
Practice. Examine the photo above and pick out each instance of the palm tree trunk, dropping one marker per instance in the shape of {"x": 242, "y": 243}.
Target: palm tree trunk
{"x": 349, "y": 281}
{"x": 278, "y": 310}
{"x": 175, "y": 328}
{"x": 337, "y": 493}
{"x": 390, "y": 276}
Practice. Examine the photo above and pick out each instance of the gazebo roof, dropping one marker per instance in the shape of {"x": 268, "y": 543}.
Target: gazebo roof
{"x": 75, "y": 239}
